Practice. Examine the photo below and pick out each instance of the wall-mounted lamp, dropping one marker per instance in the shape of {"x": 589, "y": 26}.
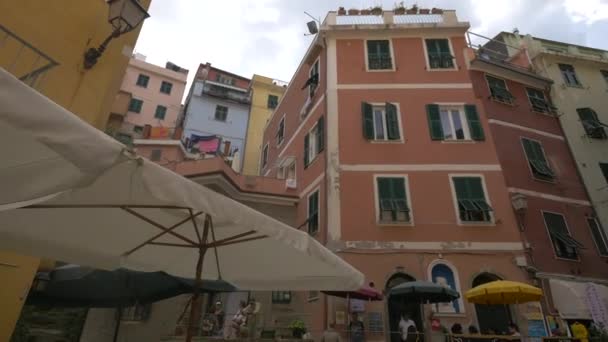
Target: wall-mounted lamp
{"x": 124, "y": 16}
{"x": 519, "y": 203}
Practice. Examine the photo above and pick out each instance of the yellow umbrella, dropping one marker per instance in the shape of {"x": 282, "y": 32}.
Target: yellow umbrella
{"x": 503, "y": 292}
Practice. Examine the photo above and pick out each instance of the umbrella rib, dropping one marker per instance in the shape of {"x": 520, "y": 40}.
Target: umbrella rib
{"x": 158, "y": 225}
{"x": 232, "y": 242}
{"x": 168, "y": 244}
{"x": 238, "y": 236}
{"x": 217, "y": 258}
{"x": 191, "y": 217}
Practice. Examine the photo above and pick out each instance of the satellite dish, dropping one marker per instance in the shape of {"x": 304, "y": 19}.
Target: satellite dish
{"x": 312, "y": 27}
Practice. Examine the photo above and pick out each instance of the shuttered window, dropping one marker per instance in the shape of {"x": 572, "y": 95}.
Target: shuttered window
{"x": 380, "y": 122}
{"x": 498, "y": 90}
{"x": 313, "y": 213}
{"x": 569, "y": 75}
{"x": 379, "y": 55}
{"x": 564, "y": 245}
{"x": 599, "y": 236}
{"x": 439, "y": 54}
{"x": 135, "y": 105}
{"x": 591, "y": 123}
{"x": 537, "y": 160}
{"x": 281, "y": 131}
{"x": 314, "y": 142}
{"x": 142, "y": 80}
{"x": 265, "y": 156}
{"x": 472, "y": 203}
{"x": 166, "y": 87}
{"x": 392, "y": 200}
{"x": 454, "y": 123}
{"x": 160, "y": 112}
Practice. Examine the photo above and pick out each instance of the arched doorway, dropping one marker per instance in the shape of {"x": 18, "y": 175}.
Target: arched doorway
{"x": 491, "y": 317}
{"x": 396, "y": 307}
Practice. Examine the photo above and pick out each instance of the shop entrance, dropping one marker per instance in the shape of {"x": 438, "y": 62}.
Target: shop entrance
{"x": 493, "y": 319}
{"x": 396, "y": 307}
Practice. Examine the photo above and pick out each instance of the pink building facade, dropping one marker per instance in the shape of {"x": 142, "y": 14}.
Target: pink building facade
{"x": 155, "y": 99}
{"x": 396, "y": 168}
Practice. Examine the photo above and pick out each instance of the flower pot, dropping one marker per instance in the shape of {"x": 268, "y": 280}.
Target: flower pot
{"x": 437, "y": 11}
{"x": 425, "y": 11}
{"x": 400, "y": 11}
{"x": 412, "y": 11}
{"x": 341, "y": 11}
{"x": 353, "y": 11}
{"x": 366, "y": 12}
{"x": 377, "y": 11}
{"x": 297, "y": 333}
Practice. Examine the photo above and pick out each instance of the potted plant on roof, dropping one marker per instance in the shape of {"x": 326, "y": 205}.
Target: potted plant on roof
{"x": 341, "y": 11}
{"x": 353, "y": 11}
{"x": 298, "y": 329}
{"x": 413, "y": 9}
{"x": 424, "y": 11}
{"x": 377, "y": 10}
{"x": 366, "y": 11}
{"x": 399, "y": 8}
{"x": 436, "y": 10}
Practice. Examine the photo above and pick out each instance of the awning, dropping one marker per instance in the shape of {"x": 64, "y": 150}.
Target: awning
{"x": 569, "y": 299}
{"x": 100, "y": 205}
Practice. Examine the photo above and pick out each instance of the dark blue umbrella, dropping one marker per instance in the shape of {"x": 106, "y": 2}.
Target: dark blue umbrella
{"x": 424, "y": 292}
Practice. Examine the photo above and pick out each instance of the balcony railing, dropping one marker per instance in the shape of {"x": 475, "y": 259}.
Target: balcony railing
{"x": 22, "y": 59}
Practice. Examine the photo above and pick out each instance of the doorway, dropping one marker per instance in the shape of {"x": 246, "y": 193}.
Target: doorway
{"x": 494, "y": 318}
{"x": 397, "y": 307}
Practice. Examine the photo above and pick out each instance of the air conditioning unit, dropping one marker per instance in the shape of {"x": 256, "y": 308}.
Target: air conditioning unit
{"x": 291, "y": 183}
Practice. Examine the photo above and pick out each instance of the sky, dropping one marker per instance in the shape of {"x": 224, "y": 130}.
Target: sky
{"x": 266, "y": 37}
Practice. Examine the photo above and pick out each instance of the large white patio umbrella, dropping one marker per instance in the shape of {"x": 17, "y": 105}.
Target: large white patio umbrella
{"x": 72, "y": 193}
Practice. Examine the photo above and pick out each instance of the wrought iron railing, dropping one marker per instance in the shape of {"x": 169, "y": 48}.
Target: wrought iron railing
{"x": 22, "y": 59}
{"x": 493, "y": 50}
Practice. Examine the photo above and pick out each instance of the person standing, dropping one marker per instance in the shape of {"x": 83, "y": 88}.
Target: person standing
{"x": 357, "y": 329}
{"x": 219, "y": 315}
{"x": 404, "y": 327}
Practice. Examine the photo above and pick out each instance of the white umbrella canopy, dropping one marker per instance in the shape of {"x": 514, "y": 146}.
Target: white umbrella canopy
{"x": 77, "y": 195}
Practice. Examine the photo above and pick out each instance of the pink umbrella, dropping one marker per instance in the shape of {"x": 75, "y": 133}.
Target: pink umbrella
{"x": 365, "y": 293}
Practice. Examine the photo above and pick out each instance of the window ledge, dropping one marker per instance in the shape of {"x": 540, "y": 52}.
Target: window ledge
{"x": 380, "y": 70}
{"x": 549, "y": 181}
{"x": 578, "y": 260}
{"x": 455, "y": 68}
{"x": 543, "y": 113}
{"x": 313, "y": 160}
{"x": 379, "y": 141}
{"x": 310, "y": 300}
{"x": 477, "y": 223}
{"x": 579, "y": 86}
{"x": 395, "y": 224}
{"x": 510, "y": 104}
{"x": 280, "y": 143}
{"x": 455, "y": 141}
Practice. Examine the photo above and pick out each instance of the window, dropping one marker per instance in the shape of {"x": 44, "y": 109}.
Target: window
{"x": 605, "y": 75}
{"x": 264, "y": 156}
{"x": 569, "y": 75}
{"x": 135, "y": 105}
{"x": 273, "y": 101}
{"x": 592, "y": 125}
{"x": 313, "y": 79}
{"x": 281, "y": 131}
{"x": 313, "y": 213}
{"x": 471, "y": 199}
{"x": 379, "y": 55}
{"x": 165, "y": 87}
{"x": 136, "y": 313}
{"x": 221, "y": 113}
{"x": 536, "y": 159}
{"x": 313, "y": 295}
{"x": 142, "y": 80}
{"x": 498, "y": 90}
{"x": 380, "y": 122}
{"x": 392, "y": 200}
{"x": 563, "y": 244}
{"x": 160, "y": 113}
{"x": 454, "y": 123}
{"x": 439, "y": 54}
{"x": 443, "y": 275}
{"x": 225, "y": 79}
{"x": 314, "y": 142}
{"x": 599, "y": 236}
{"x": 538, "y": 101}
{"x": 138, "y": 129}
{"x": 155, "y": 155}
{"x": 281, "y": 297}
{"x": 604, "y": 169}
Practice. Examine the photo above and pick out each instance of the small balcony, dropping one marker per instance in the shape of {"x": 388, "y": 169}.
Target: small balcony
{"x": 23, "y": 60}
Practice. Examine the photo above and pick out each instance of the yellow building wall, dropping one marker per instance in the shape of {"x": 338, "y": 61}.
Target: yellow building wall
{"x": 259, "y": 114}
{"x": 16, "y": 275}
{"x": 63, "y": 30}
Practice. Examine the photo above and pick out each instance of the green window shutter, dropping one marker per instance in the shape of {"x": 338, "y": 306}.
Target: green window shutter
{"x": 474, "y": 124}
{"x": 475, "y": 188}
{"x": 529, "y": 149}
{"x": 320, "y": 135}
{"x": 367, "y": 113}
{"x": 434, "y": 118}
{"x": 306, "y": 148}
{"x": 384, "y": 188}
{"x": 604, "y": 168}
{"x": 392, "y": 122}
{"x": 444, "y": 46}
{"x": 398, "y": 188}
{"x": 461, "y": 187}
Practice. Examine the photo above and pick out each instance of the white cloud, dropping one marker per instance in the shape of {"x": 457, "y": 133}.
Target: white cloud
{"x": 588, "y": 11}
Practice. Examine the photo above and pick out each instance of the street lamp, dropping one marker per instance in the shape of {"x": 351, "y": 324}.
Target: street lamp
{"x": 124, "y": 16}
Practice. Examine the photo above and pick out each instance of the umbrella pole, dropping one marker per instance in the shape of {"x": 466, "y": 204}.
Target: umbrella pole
{"x": 117, "y": 327}
{"x": 195, "y": 308}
